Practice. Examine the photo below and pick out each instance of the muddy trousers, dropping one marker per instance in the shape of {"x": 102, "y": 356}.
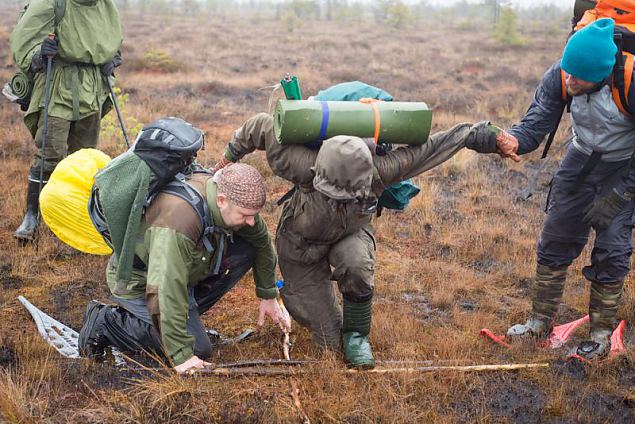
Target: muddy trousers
{"x": 564, "y": 236}
{"x": 129, "y": 326}
{"x": 309, "y": 295}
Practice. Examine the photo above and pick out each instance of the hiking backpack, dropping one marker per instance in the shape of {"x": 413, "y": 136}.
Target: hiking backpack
{"x": 160, "y": 161}
{"x": 398, "y": 195}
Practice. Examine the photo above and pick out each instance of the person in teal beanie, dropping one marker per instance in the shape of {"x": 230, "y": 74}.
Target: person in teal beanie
{"x": 594, "y": 187}
{"x": 590, "y": 53}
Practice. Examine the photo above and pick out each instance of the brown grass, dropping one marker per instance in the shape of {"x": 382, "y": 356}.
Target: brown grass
{"x": 458, "y": 259}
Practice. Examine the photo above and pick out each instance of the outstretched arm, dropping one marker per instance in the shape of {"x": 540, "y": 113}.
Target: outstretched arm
{"x": 409, "y": 161}
{"x": 543, "y": 114}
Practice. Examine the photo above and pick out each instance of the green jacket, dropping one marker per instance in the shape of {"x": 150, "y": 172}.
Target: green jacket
{"x": 308, "y": 223}
{"x": 175, "y": 263}
{"x": 88, "y": 35}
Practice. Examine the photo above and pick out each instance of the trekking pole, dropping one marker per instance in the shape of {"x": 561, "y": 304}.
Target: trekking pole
{"x": 114, "y": 102}
{"x": 47, "y": 99}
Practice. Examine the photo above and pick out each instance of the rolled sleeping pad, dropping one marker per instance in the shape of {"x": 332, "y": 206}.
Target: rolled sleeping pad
{"x": 305, "y": 121}
{"x": 21, "y": 85}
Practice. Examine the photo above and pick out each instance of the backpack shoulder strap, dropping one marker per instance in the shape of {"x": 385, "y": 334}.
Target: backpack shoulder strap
{"x": 59, "y": 9}
{"x": 620, "y": 94}
{"x": 181, "y": 189}
{"x": 563, "y": 86}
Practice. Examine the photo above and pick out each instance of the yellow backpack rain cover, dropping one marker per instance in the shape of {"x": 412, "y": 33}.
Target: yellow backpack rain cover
{"x": 64, "y": 201}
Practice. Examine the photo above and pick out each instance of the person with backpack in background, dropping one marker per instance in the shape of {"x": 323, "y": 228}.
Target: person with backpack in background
{"x": 181, "y": 268}
{"x": 325, "y": 234}
{"x": 83, "y": 40}
{"x": 594, "y": 186}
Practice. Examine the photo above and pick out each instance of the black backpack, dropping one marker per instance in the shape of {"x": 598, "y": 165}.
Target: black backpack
{"x": 126, "y": 187}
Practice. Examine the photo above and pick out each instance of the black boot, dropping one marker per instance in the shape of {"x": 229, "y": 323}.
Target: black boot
{"x": 92, "y": 341}
{"x": 355, "y": 329}
{"x": 26, "y": 230}
{"x": 106, "y": 325}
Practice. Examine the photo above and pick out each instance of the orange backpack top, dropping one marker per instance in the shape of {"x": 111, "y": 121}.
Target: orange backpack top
{"x": 623, "y": 13}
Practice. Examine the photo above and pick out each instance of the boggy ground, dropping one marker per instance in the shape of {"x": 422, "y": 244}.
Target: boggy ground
{"x": 460, "y": 258}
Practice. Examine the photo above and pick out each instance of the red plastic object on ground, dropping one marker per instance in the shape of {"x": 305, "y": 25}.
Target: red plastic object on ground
{"x": 617, "y": 344}
{"x": 493, "y": 337}
{"x": 561, "y": 333}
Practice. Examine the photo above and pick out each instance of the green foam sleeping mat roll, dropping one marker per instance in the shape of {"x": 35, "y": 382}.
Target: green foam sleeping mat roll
{"x": 22, "y": 85}
{"x": 307, "y": 121}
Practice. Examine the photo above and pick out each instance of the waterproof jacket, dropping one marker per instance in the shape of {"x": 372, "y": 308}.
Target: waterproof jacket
{"x": 310, "y": 221}
{"x": 598, "y": 124}
{"x": 88, "y": 35}
{"x": 169, "y": 262}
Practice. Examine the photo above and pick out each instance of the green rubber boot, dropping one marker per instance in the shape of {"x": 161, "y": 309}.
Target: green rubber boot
{"x": 355, "y": 329}
{"x": 603, "y": 303}
{"x": 547, "y": 295}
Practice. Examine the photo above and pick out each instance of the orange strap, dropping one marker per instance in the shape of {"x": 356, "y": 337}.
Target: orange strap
{"x": 372, "y": 104}
{"x": 565, "y": 95}
{"x": 628, "y": 75}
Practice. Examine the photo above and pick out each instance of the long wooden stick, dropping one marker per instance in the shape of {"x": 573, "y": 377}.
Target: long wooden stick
{"x": 264, "y": 362}
{"x": 295, "y": 391}
{"x": 230, "y": 372}
{"x": 459, "y": 368}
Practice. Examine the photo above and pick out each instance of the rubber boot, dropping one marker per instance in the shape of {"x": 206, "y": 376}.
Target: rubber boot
{"x": 355, "y": 329}
{"x": 92, "y": 341}
{"x": 603, "y": 303}
{"x": 106, "y": 325}
{"x": 546, "y": 300}
{"x": 26, "y": 230}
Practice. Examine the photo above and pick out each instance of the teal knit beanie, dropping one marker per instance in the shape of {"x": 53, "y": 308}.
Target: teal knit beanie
{"x": 590, "y": 53}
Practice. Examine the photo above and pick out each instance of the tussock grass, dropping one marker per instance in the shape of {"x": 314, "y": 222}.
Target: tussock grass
{"x": 460, "y": 258}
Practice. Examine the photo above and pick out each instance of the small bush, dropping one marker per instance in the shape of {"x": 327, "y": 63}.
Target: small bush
{"x": 155, "y": 60}
{"x": 398, "y": 15}
{"x": 506, "y": 31}
{"x": 291, "y": 21}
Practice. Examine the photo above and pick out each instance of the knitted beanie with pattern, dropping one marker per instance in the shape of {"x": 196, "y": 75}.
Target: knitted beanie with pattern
{"x": 243, "y": 185}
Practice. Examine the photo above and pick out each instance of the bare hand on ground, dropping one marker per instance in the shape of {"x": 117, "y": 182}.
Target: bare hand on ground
{"x": 270, "y": 308}
{"x": 194, "y": 363}
{"x": 507, "y": 146}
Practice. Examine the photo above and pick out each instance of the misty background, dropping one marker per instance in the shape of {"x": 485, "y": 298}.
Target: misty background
{"x": 513, "y": 22}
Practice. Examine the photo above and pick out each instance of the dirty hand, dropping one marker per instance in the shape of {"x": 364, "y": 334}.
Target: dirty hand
{"x": 270, "y": 308}
{"x": 601, "y": 212}
{"x": 223, "y": 162}
{"x": 507, "y": 146}
{"x": 192, "y": 364}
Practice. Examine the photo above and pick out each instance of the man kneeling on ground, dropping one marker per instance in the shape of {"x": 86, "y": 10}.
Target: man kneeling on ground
{"x": 175, "y": 281}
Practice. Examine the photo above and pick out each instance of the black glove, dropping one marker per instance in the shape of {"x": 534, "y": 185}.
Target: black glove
{"x": 601, "y": 212}
{"x": 108, "y": 68}
{"x": 49, "y": 48}
{"x": 481, "y": 138}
